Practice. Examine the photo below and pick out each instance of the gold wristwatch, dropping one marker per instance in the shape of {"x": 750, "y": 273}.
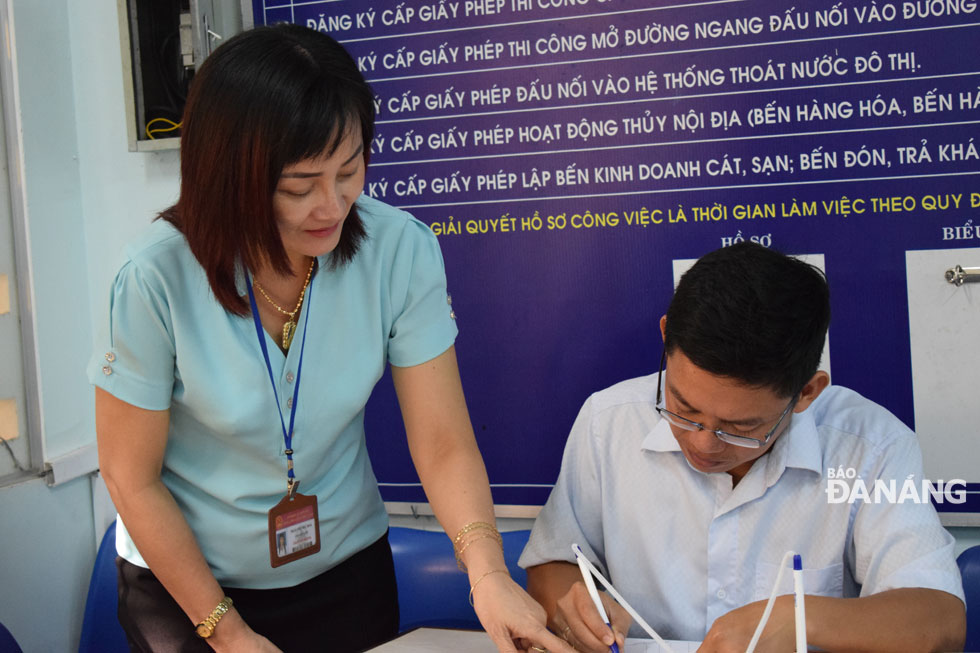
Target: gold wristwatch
{"x": 206, "y": 628}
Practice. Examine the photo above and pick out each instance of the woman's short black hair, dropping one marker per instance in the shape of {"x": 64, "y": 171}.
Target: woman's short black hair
{"x": 268, "y": 97}
{"x": 753, "y": 314}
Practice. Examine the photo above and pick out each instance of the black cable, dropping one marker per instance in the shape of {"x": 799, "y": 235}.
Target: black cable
{"x": 173, "y": 79}
{"x": 12, "y": 456}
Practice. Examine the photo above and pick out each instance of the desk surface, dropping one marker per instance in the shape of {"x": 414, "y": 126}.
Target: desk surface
{"x": 436, "y": 640}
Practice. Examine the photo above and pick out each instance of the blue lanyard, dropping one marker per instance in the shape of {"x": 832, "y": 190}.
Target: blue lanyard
{"x": 287, "y": 435}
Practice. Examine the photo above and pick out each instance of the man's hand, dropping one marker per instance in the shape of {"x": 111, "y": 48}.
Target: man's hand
{"x": 577, "y": 621}
{"x": 733, "y": 632}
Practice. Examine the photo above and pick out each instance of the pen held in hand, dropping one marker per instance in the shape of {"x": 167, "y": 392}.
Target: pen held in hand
{"x": 593, "y": 592}
{"x": 583, "y": 561}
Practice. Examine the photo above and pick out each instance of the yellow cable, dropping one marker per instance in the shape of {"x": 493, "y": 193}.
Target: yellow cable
{"x": 150, "y": 132}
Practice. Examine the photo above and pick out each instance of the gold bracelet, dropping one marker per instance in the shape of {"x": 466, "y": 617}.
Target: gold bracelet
{"x": 469, "y": 528}
{"x": 472, "y": 526}
{"x": 479, "y": 536}
{"x": 492, "y": 571}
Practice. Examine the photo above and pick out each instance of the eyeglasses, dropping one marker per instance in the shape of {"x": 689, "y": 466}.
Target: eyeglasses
{"x": 724, "y": 436}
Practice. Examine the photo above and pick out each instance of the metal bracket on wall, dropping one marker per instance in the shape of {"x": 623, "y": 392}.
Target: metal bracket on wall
{"x": 958, "y": 275}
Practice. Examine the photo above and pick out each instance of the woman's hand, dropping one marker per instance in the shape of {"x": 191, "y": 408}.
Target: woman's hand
{"x": 578, "y": 622}
{"x": 233, "y": 635}
{"x": 443, "y": 447}
{"x": 512, "y": 619}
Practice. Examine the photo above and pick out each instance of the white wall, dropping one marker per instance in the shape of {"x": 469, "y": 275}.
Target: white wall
{"x": 46, "y": 544}
{"x": 87, "y": 196}
{"x": 121, "y": 191}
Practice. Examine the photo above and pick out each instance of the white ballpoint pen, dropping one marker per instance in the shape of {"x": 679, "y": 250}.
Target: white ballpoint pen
{"x": 584, "y": 562}
{"x": 798, "y": 604}
{"x": 593, "y": 591}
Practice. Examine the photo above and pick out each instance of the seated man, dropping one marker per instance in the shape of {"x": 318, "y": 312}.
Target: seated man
{"x": 686, "y": 488}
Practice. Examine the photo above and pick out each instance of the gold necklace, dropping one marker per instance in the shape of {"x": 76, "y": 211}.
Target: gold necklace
{"x": 289, "y": 328}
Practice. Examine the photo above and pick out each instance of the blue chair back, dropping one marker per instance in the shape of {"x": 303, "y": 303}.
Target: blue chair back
{"x": 101, "y": 632}
{"x": 7, "y": 642}
{"x": 969, "y": 562}
{"x": 432, "y": 591}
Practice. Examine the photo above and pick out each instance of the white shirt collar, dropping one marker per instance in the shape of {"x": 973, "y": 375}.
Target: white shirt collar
{"x": 660, "y": 438}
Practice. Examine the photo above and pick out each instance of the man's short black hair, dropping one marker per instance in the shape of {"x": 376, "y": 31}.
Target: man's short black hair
{"x": 751, "y": 313}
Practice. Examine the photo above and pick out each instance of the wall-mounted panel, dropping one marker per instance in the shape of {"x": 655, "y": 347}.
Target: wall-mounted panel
{"x": 566, "y": 153}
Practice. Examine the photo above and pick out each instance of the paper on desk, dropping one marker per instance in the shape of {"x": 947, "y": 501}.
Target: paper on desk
{"x": 435, "y": 640}
{"x": 638, "y": 645}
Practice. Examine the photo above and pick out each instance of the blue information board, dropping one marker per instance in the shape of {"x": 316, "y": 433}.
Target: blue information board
{"x": 567, "y": 151}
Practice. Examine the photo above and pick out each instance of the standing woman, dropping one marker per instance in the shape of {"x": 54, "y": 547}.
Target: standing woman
{"x": 246, "y": 332}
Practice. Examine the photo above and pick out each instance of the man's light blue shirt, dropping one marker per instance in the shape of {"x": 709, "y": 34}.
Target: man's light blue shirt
{"x": 685, "y": 547}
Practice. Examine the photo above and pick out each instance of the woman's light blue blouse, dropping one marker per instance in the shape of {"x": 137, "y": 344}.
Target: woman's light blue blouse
{"x": 170, "y": 345}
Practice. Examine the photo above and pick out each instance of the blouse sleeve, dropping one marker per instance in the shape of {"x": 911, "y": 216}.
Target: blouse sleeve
{"x": 423, "y": 324}
{"x": 135, "y": 361}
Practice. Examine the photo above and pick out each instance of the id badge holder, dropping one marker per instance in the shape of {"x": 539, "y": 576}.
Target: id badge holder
{"x": 294, "y": 528}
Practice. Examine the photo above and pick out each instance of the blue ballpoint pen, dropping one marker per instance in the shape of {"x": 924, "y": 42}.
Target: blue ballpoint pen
{"x": 798, "y": 604}
{"x": 593, "y": 592}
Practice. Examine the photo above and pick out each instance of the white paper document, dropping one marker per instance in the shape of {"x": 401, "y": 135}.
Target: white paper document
{"x": 637, "y": 645}
{"x": 436, "y": 640}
